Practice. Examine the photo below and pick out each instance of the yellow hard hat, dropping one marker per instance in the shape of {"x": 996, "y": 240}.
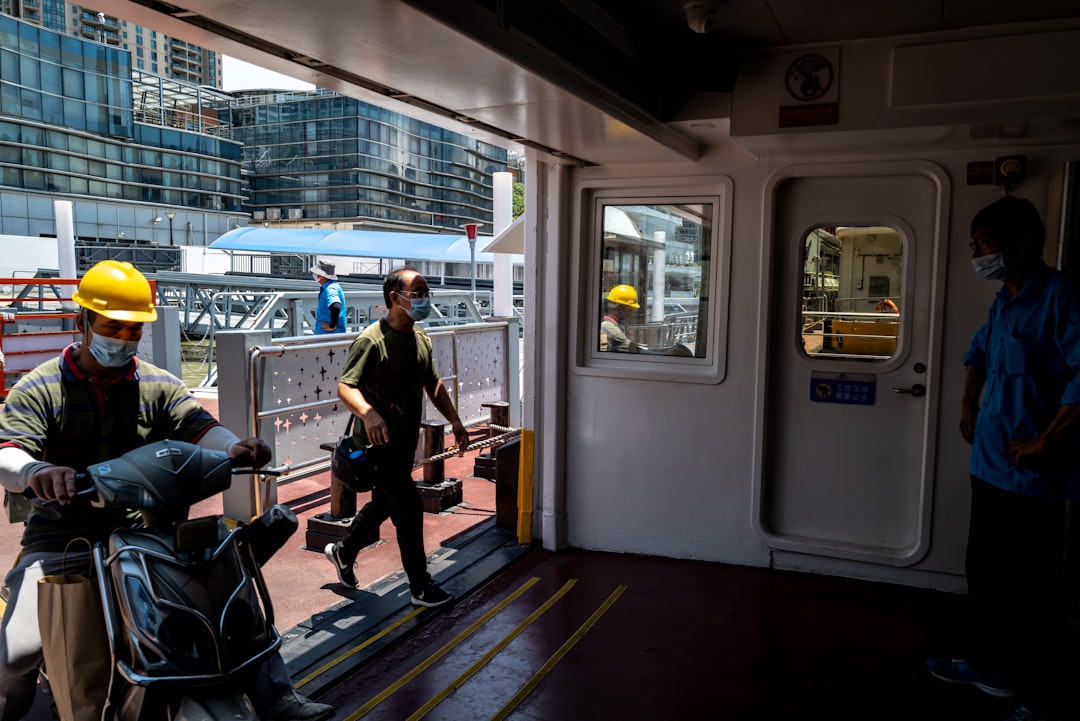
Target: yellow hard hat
{"x": 623, "y": 295}
{"x": 117, "y": 290}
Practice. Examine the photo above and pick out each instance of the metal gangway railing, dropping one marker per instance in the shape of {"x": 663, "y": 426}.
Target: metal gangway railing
{"x": 677, "y": 329}
{"x": 854, "y": 335}
{"x": 234, "y": 301}
{"x": 284, "y": 389}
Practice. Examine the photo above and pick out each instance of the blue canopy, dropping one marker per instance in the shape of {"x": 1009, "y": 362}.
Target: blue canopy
{"x": 354, "y": 243}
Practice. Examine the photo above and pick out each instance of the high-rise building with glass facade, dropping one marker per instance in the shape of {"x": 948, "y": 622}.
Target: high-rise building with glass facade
{"x": 318, "y": 158}
{"x": 153, "y": 159}
{"x": 151, "y": 50}
{"x": 131, "y": 149}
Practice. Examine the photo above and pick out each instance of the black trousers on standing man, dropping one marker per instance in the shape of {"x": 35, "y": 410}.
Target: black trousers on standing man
{"x": 395, "y": 497}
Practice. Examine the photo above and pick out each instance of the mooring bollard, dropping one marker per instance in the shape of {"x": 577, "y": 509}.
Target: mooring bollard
{"x": 433, "y": 435}
{"x": 484, "y": 463}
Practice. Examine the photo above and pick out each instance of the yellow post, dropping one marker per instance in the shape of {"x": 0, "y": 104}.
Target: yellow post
{"x": 525, "y": 488}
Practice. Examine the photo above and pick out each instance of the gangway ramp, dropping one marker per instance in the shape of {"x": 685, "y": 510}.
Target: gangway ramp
{"x": 330, "y": 646}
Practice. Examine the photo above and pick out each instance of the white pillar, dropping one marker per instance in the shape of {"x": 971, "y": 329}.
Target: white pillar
{"x": 503, "y": 211}
{"x": 658, "y": 277}
{"x": 65, "y": 243}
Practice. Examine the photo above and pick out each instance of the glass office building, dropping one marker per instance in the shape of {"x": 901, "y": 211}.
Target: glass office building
{"x": 153, "y": 159}
{"x": 152, "y": 51}
{"x": 316, "y": 157}
{"x": 77, "y": 122}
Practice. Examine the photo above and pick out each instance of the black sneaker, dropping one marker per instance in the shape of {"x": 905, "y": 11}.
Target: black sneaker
{"x": 431, "y": 596}
{"x": 957, "y": 670}
{"x": 295, "y": 706}
{"x": 344, "y": 570}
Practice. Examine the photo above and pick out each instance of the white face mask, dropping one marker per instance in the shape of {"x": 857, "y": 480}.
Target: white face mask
{"x": 315, "y": 277}
{"x": 990, "y": 267}
{"x": 112, "y": 352}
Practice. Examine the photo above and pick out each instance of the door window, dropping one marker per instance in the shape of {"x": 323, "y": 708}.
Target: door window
{"x": 852, "y": 293}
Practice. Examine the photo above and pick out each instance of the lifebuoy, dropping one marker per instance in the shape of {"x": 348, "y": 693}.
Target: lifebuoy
{"x": 886, "y": 306}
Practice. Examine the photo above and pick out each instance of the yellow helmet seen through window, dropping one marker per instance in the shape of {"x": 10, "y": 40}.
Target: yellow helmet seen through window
{"x": 118, "y": 291}
{"x": 623, "y": 295}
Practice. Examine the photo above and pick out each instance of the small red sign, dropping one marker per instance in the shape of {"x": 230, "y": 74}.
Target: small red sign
{"x": 980, "y": 173}
{"x": 794, "y": 116}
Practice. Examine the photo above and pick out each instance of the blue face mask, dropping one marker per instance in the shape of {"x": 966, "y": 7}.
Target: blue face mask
{"x": 990, "y": 267}
{"x": 420, "y": 309}
{"x": 112, "y": 352}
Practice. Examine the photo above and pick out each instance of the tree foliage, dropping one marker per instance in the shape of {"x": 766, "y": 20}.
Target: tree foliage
{"x": 519, "y": 199}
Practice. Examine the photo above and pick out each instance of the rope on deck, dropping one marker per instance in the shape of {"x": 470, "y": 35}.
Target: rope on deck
{"x": 493, "y": 441}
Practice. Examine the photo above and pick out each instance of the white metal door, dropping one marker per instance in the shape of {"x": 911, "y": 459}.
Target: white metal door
{"x": 849, "y": 395}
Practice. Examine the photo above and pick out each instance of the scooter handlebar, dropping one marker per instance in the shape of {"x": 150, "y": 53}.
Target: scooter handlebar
{"x": 86, "y": 493}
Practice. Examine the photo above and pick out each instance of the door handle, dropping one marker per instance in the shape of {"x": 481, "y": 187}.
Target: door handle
{"x": 916, "y": 390}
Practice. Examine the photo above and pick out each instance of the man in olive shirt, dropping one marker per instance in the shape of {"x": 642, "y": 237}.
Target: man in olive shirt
{"x": 389, "y": 368}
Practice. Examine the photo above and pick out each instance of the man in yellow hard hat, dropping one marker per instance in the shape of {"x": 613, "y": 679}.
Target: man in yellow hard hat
{"x": 95, "y": 402}
{"x": 623, "y": 302}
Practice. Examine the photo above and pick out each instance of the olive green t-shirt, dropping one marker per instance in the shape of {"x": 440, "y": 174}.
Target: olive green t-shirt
{"x": 392, "y": 370}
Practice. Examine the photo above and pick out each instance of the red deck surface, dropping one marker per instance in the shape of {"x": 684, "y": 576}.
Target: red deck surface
{"x": 302, "y": 582}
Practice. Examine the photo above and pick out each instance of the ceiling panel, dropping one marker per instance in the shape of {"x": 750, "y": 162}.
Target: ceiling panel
{"x": 599, "y": 81}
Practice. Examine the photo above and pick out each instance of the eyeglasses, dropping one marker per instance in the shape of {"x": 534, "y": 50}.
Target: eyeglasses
{"x": 982, "y": 241}
{"x": 415, "y": 293}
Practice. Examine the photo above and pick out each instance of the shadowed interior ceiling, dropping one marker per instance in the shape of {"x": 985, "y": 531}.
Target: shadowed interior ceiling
{"x": 593, "y": 81}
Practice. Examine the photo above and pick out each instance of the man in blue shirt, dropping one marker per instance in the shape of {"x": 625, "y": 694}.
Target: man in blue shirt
{"x": 1024, "y": 363}
{"x": 330, "y": 311}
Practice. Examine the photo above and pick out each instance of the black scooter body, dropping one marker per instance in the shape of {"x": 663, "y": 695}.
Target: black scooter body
{"x": 187, "y": 612}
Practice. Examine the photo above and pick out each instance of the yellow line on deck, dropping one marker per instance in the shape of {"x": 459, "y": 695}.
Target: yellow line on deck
{"x": 483, "y": 660}
{"x": 557, "y": 656}
{"x": 394, "y": 687}
{"x": 355, "y": 649}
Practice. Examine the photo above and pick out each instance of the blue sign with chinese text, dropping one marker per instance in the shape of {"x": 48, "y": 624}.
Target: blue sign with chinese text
{"x": 842, "y": 388}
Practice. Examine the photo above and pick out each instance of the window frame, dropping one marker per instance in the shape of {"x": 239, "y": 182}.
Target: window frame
{"x": 592, "y": 197}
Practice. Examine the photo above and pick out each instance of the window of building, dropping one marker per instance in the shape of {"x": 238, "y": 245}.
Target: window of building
{"x": 656, "y": 270}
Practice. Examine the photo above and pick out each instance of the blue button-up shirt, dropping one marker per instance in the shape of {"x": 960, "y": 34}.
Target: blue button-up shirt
{"x": 1029, "y": 349}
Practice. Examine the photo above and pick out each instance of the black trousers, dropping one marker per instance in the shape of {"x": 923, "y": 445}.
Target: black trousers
{"x": 1017, "y": 589}
{"x": 395, "y": 497}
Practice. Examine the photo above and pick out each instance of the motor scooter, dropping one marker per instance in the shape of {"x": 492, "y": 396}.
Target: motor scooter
{"x": 186, "y": 608}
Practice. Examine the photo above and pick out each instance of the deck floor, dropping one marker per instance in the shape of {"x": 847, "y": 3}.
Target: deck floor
{"x": 581, "y": 636}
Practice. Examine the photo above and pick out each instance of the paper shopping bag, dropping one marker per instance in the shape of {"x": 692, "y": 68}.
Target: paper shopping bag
{"x": 77, "y": 657}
